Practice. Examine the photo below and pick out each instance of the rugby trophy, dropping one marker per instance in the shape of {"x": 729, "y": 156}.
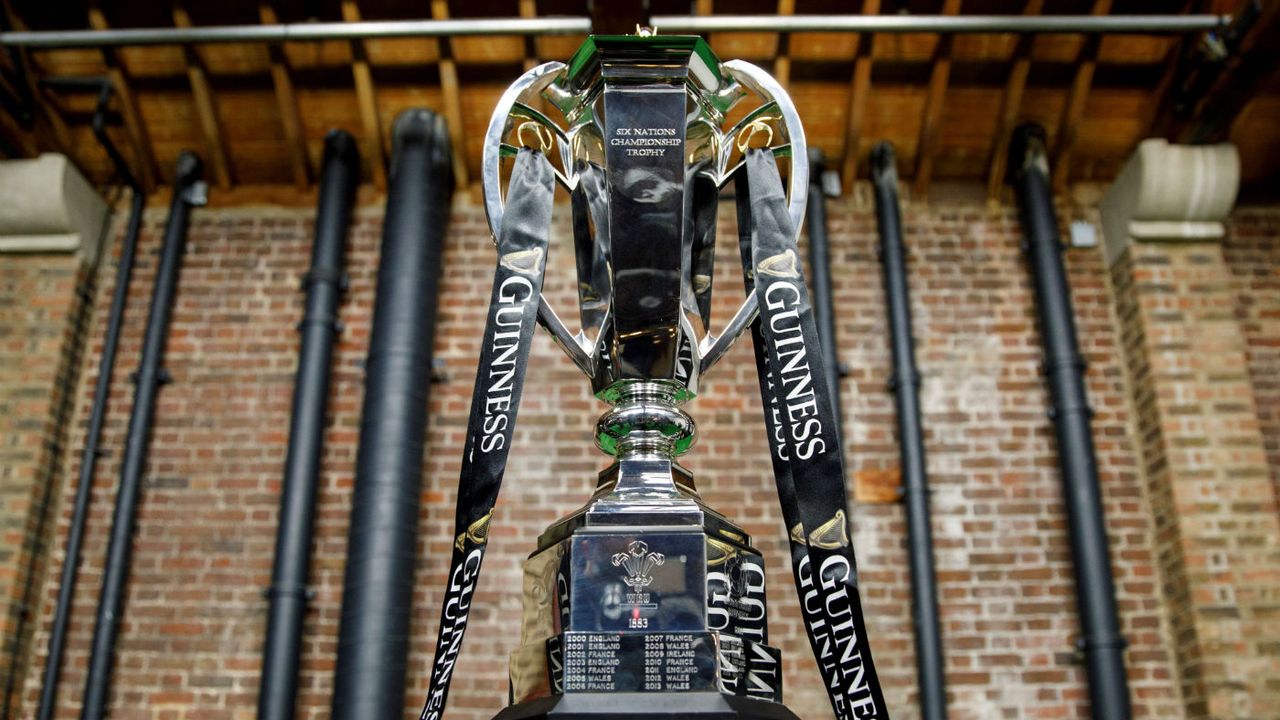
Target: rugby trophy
{"x": 645, "y": 602}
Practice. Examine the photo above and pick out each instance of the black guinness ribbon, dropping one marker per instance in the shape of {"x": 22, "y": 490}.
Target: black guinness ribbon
{"x": 804, "y": 443}
{"x": 508, "y": 336}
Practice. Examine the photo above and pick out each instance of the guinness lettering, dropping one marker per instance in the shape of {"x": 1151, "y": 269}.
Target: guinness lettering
{"x": 513, "y": 295}
{"x": 494, "y": 403}
{"x": 457, "y": 607}
{"x": 809, "y": 471}
{"x": 787, "y": 337}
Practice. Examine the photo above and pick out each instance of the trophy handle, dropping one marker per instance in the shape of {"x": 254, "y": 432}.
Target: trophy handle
{"x": 713, "y": 347}
{"x": 528, "y": 85}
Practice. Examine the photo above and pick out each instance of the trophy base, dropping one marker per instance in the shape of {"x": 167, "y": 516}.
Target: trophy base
{"x": 649, "y": 706}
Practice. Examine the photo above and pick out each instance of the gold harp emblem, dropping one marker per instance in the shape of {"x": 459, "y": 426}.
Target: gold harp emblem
{"x": 719, "y": 553}
{"x": 832, "y": 534}
{"x": 797, "y": 534}
{"x": 524, "y": 262}
{"x": 784, "y": 265}
{"x": 477, "y": 532}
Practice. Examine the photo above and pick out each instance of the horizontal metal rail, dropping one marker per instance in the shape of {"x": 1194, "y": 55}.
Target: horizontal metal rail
{"x": 946, "y": 24}
{"x": 371, "y": 30}
{"x": 296, "y": 32}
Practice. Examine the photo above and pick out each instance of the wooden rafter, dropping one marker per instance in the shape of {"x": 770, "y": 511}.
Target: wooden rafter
{"x": 529, "y": 10}
{"x": 367, "y": 100}
{"x": 1010, "y": 105}
{"x": 1252, "y": 68}
{"x": 287, "y": 104}
{"x": 206, "y": 106}
{"x": 54, "y": 131}
{"x": 782, "y": 64}
{"x": 135, "y": 125}
{"x": 930, "y": 122}
{"x": 861, "y": 86}
{"x": 1073, "y": 111}
{"x": 452, "y": 97}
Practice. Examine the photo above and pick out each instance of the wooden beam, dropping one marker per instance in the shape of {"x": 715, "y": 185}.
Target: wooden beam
{"x": 931, "y": 120}
{"x": 54, "y": 132}
{"x": 144, "y": 158}
{"x": 1158, "y": 113}
{"x": 1073, "y": 111}
{"x": 782, "y": 64}
{"x": 367, "y": 101}
{"x": 15, "y": 141}
{"x": 452, "y": 98}
{"x": 859, "y": 90}
{"x": 529, "y": 10}
{"x": 287, "y": 104}
{"x": 1010, "y": 106}
{"x": 1247, "y": 73}
{"x": 206, "y": 107}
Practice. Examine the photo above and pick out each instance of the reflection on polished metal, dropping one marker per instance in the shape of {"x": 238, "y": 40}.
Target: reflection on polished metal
{"x": 645, "y": 593}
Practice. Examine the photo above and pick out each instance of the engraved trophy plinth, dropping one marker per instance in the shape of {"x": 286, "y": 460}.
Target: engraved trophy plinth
{"x": 645, "y": 602}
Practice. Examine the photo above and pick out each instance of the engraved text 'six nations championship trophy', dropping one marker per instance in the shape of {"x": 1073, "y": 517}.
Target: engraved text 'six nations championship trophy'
{"x": 646, "y": 603}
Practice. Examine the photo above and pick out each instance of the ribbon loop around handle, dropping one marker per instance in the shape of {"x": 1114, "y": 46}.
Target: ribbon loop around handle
{"x": 504, "y": 356}
{"x": 804, "y": 443}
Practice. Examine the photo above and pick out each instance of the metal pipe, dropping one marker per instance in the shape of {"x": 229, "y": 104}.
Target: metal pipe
{"x": 820, "y": 281}
{"x": 296, "y": 32}
{"x": 97, "y": 412}
{"x": 1064, "y": 368}
{"x": 324, "y": 284}
{"x": 188, "y": 192}
{"x": 373, "y": 639}
{"x": 947, "y": 24}
{"x": 905, "y": 382}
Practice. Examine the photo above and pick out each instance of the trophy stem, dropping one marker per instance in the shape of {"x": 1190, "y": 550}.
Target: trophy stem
{"x": 645, "y": 420}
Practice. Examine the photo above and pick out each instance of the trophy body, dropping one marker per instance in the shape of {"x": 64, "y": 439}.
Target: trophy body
{"x": 645, "y": 602}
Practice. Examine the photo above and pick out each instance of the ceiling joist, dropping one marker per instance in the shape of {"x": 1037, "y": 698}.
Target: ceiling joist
{"x": 452, "y": 97}
{"x": 287, "y": 105}
{"x": 863, "y": 49}
{"x": 1010, "y": 106}
{"x": 1073, "y": 111}
{"x": 206, "y": 107}
{"x": 367, "y": 101}
{"x": 931, "y": 121}
{"x": 145, "y": 166}
{"x": 782, "y": 65}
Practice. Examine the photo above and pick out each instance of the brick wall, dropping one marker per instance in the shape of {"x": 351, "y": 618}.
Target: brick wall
{"x": 41, "y": 326}
{"x": 1252, "y": 251}
{"x": 194, "y": 618}
{"x": 1205, "y": 466}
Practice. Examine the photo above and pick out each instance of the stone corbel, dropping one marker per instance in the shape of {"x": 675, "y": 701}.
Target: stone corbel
{"x": 48, "y": 207}
{"x": 1169, "y": 193}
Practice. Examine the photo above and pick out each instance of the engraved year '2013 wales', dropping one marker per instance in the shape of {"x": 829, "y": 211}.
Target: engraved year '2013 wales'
{"x": 646, "y": 602}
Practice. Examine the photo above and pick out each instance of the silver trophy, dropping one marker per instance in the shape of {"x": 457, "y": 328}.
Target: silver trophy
{"x": 645, "y": 602}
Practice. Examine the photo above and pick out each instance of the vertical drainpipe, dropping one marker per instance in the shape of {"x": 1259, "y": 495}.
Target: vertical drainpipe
{"x": 1064, "y": 367}
{"x": 188, "y": 191}
{"x": 97, "y": 412}
{"x": 905, "y": 382}
{"x": 324, "y": 284}
{"x": 820, "y": 281}
{"x": 373, "y": 639}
